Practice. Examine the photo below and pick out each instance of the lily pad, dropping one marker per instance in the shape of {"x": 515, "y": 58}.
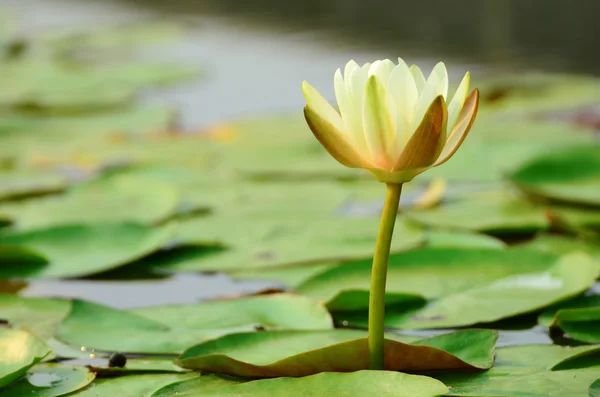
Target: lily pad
{"x": 131, "y": 385}
{"x": 20, "y": 260}
{"x": 525, "y": 370}
{"x": 571, "y": 176}
{"x": 19, "y": 351}
{"x": 499, "y": 299}
{"x": 49, "y": 380}
{"x": 429, "y": 272}
{"x": 356, "y": 384}
{"x": 302, "y": 353}
{"x": 20, "y": 184}
{"x": 94, "y": 326}
{"x": 78, "y": 250}
{"x": 290, "y": 276}
{"x": 39, "y": 316}
{"x": 595, "y": 389}
{"x": 113, "y": 200}
{"x": 272, "y": 311}
{"x": 259, "y": 243}
{"x": 561, "y": 245}
{"x": 442, "y": 239}
{"x": 579, "y": 317}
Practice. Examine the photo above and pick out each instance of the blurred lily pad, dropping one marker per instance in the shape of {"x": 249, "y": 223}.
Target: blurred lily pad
{"x": 579, "y": 317}
{"x": 258, "y": 243}
{"x": 430, "y": 273}
{"x": 502, "y": 298}
{"x": 443, "y": 239}
{"x": 39, "y": 316}
{"x": 103, "y": 328}
{"x": 571, "y": 176}
{"x": 302, "y": 353}
{"x": 19, "y": 351}
{"x": 561, "y": 245}
{"x": 272, "y": 311}
{"x": 78, "y": 250}
{"x": 18, "y": 185}
{"x": 356, "y": 384}
{"x": 526, "y": 369}
{"x": 50, "y": 380}
{"x": 112, "y": 200}
{"x": 132, "y": 385}
{"x": 20, "y": 260}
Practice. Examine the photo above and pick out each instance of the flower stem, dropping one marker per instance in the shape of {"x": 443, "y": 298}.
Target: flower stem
{"x": 379, "y": 274}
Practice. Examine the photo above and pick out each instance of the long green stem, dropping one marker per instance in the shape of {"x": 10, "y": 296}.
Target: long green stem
{"x": 379, "y": 274}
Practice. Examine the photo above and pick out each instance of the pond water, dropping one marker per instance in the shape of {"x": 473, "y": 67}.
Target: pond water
{"x": 255, "y": 57}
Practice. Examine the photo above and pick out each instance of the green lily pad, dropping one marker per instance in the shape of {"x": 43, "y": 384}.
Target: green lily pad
{"x": 561, "y": 245}
{"x": 499, "y": 299}
{"x": 302, "y": 353}
{"x": 442, "y": 239}
{"x": 39, "y": 316}
{"x": 19, "y": 351}
{"x": 131, "y": 385}
{"x": 20, "y": 260}
{"x": 525, "y": 370}
{"x": 266, "y": 244}
{"x": 356, "y": 384}
{"x": 102, "y": 328}
{"x": 579, "y": 317}
{"x": 78, "y": 250}
{"x": 485, "y": 212}
{"x": 273, "y": 311}
{"x": 20, "y": 184}
{"x": 113, "y": 200}
{"x": 290, "y": 276}
{"x": 594, "y": 390}
{"x": 49, "y": 380}
{"x": 429, "y": 272}
{"x": 571, "y": 176}
{"x": 139, "y": 366}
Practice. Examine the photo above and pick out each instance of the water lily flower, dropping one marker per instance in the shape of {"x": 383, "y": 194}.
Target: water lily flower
{"x": 392, "y": 121}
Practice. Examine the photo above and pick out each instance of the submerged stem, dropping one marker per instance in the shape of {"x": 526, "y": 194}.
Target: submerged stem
{"x": 379, "y": 274}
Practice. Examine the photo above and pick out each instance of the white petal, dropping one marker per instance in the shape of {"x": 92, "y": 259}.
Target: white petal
{"x": 458, "y": 101}
{"x": 382, "y": 69}
{"x": 355, "y": 86}
{"x": 403, "y": 89}
{"x": 419, "y": 77}
{"x": 439, "y": 77}
{"x": 379, "y": 123}
{"x": 349, "y": 115}
{"x": 320, "y": 105}
{"x": 349, "y": 68}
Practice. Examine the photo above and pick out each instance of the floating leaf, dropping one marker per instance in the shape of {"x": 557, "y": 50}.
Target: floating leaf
{"x": 20, "y": 260}
{"x": 595, "y": 389}
{"x": 259, "y": 243}
{"x": 291, "y": 276}
{"x": 131, "y": 385}
{"x": 113, "y": 200}
{"x": 561, "y": 245}
{"x": 102, "y": 328}
{"x": 20, "y": 184}
{"x": 39, "y": 316}
{"x": 49, "y": 380}
{"x": 525, "y": 370}
{"x": 75, "y": 250}
{"x": 502, "y": 298}
{"x": 441, "y": 239}
{"x": 579, "y": 317}
{"x": 355, "y": 384}
{"x": 302, "y": 353}
{"x": 430, "y": 272}
{"x": 571, "y": 176}
{"x": 273, "y": 311}
{"x": 19, "y": 351}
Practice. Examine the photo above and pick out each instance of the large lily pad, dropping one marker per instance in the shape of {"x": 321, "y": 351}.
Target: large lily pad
{"x": 526, "y": 370}
{"x": 39, "y": 316}
{"x": 561, "y": 245}
{"x": 94, "y": 326}
{"x": 113, "y": 200}
{"x": 568, "y": 176}
{"x": 356, "y": 384}
{"x": 579, "y": 317}
{"x": 77, "y": 250}
{"x": 273, "y": 311}
{"x": 21, "y": 184}
{"x": 430, "y": 272}
{"x": 49, "y": 380}
{"x": 131, "y": 385}
{"x": 499, "y": 299}
{"x": 259, "y": 243}
{"x": 302, "y": 353}
{"x": 16, "y": 259}
{"x": 19, "y": 351}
